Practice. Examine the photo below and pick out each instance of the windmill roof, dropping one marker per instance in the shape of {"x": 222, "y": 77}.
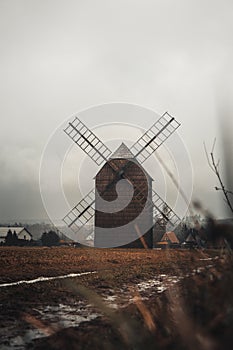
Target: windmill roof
{"x": 122, "y": 152}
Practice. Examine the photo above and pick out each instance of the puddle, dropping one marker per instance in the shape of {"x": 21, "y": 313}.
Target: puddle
{"x": 68, "y": 315}
{"x": 57, "y": 317}
{"x": 209, "y": 258}
{"x": 159, "y": 284}
{"x": 122, "y": 297}
{"x": 71, "y": 315}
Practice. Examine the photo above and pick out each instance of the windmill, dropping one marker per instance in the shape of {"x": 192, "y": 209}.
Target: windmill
{"x": 125, "y": 216}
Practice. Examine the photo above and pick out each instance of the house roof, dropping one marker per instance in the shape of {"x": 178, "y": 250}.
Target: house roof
{"x": 4, "y": 230}
{"x": 170, "y": 236}
{"x": 190, "y": 238}
{"x": 122, "y": 152}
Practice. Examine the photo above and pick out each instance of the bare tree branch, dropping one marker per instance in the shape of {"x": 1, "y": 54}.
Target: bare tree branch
{"x": 215, "y": 168}
{"x": 207, "y": 157}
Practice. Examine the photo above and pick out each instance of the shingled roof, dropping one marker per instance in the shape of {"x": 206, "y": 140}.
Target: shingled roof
{"x": 122, "y": 152}
{"x": 170, "y": 237}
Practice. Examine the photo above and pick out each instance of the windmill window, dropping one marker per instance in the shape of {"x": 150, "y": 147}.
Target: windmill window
{"x": 76, "y": 138}
{"x": 166, "y": 133}
{"x": 150, "y": 134}
{"x": 150, "y": 148}
{"x": 80, "y": 127}
{"x": 85, "y": 145}
{"x": 95, "y": 141}
{"x": 141, "y": 142}
{"x": 75, "y": 121}
{"x": 80, "y": 141}
{"x": 92, "y": 137}
{"x": 171, "y": 128}
{"x": 85, "y": 201}
{"x": 163, "y": 137}
{"x": 77, "y": 124}
{"x": 137, "y": 147}
{"x": 161, "y": 123}
{"x": 88, "y": 133}
{"x": 85, "y": 134}
{"x": 102, "y": 148}
{"x": 72, "y": 132}
{"x": 141, "y": 158}
{"x": 106, "y": 152}
{"x": 146, "y": 151}
{"x": 82, "y": 206}
{"x": 95, "y": 155}
{"x": 92, "y": 152}
{"x": 83, "y": 127}
{"x": 145, "y": 138}
{"x": 88, "y": 148}
{"x": 154, "y": 146}
{"x": 98, "y": 162}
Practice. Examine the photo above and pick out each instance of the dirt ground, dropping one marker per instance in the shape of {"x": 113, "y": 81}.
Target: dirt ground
{"x": 196, "y": 312}
{"x": 24, "y": 263}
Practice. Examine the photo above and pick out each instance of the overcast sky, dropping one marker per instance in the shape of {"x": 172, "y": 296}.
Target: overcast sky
{"x": 61, "y": 56}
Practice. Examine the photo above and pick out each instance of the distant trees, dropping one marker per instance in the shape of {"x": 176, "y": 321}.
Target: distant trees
{"x": 50, "y": 238}
{"x": 11, "y": 238}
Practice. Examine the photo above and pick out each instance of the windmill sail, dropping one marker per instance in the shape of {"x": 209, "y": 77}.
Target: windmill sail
{"x": 162, "y": 210}
{"x": 88, "y": 141}
{"x": 81, "y": 213}
{"x": 142, "y": 149}
{"x": 154, "y": 137}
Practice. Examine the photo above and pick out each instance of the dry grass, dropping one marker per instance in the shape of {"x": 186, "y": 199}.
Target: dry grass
{"x": 195, "y": 314}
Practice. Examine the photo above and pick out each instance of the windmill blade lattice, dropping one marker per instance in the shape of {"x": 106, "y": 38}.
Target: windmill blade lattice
{"x": 154, "y": 137}
{"x": 88, "y": 141}
{"x": 84, "y": 211}
{"x": 163, "y": 210}
{"x": 81, "y": 213}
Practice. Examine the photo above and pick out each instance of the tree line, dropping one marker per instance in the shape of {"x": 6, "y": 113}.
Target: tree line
{"x": 48, "y": 239}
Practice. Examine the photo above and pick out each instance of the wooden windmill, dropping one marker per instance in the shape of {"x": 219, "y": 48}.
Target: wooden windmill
{"x": 124, "y": 219}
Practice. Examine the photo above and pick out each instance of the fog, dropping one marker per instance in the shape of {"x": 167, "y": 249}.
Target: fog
{"x": 60, "y": 57}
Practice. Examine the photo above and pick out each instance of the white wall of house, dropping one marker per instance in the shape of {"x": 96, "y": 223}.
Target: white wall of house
{"x": 24, "y": 235}
{"x": 20, "y": 231}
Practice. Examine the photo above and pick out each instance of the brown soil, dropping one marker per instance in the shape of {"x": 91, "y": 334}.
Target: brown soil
{"x": 196, "y": 313}
{"x": 24, "y": 263}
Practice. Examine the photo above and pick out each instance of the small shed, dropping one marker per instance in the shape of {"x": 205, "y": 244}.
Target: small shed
{"x": 21, "y": 232}
{"x": 169, "y": 240}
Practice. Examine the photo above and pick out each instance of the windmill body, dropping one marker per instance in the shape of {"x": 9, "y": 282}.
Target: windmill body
{"x": 124, "y": 212}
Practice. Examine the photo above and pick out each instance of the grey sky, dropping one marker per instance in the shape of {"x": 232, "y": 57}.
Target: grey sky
{"x": 59, "y": 57}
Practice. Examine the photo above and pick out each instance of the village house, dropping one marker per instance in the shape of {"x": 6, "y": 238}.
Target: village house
{"x": 21, "y": 232}
{"x": 169, "y": 240}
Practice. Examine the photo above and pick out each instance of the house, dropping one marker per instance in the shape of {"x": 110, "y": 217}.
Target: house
{"x": 190, "y": 242}
{"x": 169, "y": 240}
{"x": 21, "y": 232}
